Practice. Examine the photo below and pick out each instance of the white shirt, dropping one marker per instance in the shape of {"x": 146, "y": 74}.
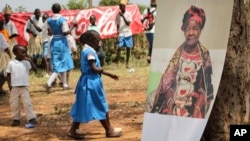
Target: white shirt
{"x": 11, "y": 28}
{"x": 3, "y": 43}
{"x": 19, "y": 71}
{"x": 38, "y": 22}
{"x": 124, "y": 29}
{"x": 145, "y": 12}
{"x": 45, "y": 36}
{"x": 71, "y": 43}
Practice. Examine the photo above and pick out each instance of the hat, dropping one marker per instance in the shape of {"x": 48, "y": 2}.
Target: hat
{"x": 125, "y": 2}
{"x": 153, "y": 2}
{"x": 7, "y": 9}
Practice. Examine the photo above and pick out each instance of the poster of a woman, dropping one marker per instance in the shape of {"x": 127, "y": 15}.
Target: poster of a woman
{"x": 186, "y": 86}
{"x": 187, "y": 62}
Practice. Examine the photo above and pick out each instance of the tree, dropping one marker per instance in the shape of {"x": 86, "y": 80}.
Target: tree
{"x": 77, "y": 4}
{"x": 109, "y": 2}
{"x": 20, "y": 9}
{"x": 232, "y": 102}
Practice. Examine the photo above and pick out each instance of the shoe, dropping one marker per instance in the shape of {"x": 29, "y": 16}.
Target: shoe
{"x": 31, "y": 123}
{"x": 48, "y": 89}
{"x": 117, "y": 132}
{"x": 15, "y": 123}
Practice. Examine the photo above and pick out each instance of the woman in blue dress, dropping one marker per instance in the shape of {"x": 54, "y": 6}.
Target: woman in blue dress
{"x": 91, "y": 103}
{"x": 61, "y": 59}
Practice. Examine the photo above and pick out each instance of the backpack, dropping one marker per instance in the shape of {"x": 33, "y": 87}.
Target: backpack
{"x": 148, "y": 21}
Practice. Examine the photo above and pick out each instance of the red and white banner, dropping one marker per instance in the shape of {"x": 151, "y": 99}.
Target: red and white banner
{"x": 105, "y": 18}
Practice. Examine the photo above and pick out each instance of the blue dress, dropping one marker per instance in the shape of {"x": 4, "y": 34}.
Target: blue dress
{"x": 90, "y": 103}
{"x": 60, "y": 56}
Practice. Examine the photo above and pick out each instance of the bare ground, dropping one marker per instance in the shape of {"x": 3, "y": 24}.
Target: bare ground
{"x": 126, "y": 99}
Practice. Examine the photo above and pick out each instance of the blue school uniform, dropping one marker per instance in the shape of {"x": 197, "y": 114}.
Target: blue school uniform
{"x": 60, "y": 56}
{"x": 90, "y": 103}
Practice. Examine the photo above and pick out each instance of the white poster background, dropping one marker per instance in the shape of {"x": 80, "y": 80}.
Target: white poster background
{"x": 168, "y": 37}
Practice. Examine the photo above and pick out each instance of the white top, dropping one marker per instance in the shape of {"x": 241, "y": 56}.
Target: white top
{"x": 38, "y": 22}
{"x": 65, "y": 26}
{"x": 96, "y": 28}
{"x": 45, "y": 36}
{"x": 124, "y": 30}
{"x": 145, "y": 12}
{"x": 3, "y": 43}
{"x": 71, "y": 43}
{"x": 11, "y": 28}
{"x": 19, "y": 71}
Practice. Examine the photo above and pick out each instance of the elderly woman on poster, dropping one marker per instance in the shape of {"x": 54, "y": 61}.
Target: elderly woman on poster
{"x": 185, "y": 88}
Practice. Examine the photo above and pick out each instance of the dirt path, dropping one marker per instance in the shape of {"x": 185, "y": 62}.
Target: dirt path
{"x": 126, "y": 103}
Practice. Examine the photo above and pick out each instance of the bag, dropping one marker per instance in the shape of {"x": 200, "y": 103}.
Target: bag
{"x": 148, "y": 21}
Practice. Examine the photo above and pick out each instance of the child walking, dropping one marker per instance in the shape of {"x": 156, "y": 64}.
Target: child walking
{"x": 91, "y": 103}
{"x": 18, "y": 81}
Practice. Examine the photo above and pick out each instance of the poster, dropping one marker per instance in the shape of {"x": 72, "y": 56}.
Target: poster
{"x": 187, "y": 62}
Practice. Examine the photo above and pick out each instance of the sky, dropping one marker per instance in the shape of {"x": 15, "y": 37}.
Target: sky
{"x": 45, "y": 5}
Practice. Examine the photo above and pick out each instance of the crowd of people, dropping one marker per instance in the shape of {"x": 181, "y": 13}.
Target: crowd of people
{"x": 51, "y": 40}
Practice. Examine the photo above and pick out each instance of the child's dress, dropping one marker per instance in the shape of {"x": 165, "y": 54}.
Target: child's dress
{"x": 60, "y": 56}
{"x": 90, "y": 103}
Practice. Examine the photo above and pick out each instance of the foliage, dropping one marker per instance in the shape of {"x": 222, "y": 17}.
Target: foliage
{"x": 139, "y": 51}
{"x": 77, "y": 4}
{"x": 109, "y": 2}
{"x": 20, "y": 9}
{"x": 142, "y": 7}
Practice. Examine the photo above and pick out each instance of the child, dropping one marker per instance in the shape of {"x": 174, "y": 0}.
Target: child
{"x": 90, "y": 103}
{"x": 93, "y": 26}
{"x": 18, "y": 81}
{"x": 124, "y": 32}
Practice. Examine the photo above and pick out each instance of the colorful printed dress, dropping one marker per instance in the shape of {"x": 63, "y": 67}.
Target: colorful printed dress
{"x": 186, "y": 78}
{"x": 90, "y": 103}
{"x": 60, "y": 56}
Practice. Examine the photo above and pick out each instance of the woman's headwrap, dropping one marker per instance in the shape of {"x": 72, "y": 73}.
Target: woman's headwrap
{"x": 124, "y": 2}
{"x": 194, "y": 14}
{"x": 7, "y": 9}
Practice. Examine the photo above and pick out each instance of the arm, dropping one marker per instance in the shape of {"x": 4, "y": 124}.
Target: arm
{"x": 125, "y": 20}
{"x": 70, "y": 29}
{"x": 33, "y": 66}
{"x": 101, "y": 70}
{"x": 36, "y": 26}
{"x": 7, "y": 50}
{"x": 9, "y": 81}
{"x": 12, "y": 36}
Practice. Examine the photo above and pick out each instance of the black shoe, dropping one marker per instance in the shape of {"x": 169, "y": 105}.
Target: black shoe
{"x": 33, "y": 121}
{"x": 15, "y": 123}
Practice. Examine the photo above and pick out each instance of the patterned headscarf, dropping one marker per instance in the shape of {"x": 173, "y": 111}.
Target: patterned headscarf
{"x": 194, "y": 14}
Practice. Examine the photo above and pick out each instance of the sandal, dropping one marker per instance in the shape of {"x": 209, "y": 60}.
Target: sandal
{"x": 114, "y": 134}
{"x": 75, "y": 136}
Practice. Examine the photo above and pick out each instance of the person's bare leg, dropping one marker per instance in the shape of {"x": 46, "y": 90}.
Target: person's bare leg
{"x": 72, "y": 131}
{"x": 118, "y": 55}
{"x": 127, "y": 57}
{"x": 110, "y": 132}
{"x": 2, "y": 80}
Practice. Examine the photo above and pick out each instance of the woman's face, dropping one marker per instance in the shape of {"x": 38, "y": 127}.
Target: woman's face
{"x": 192, "y": 33}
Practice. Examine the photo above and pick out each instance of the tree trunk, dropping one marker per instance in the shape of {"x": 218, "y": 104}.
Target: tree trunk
{"x": 232, "y": 102}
